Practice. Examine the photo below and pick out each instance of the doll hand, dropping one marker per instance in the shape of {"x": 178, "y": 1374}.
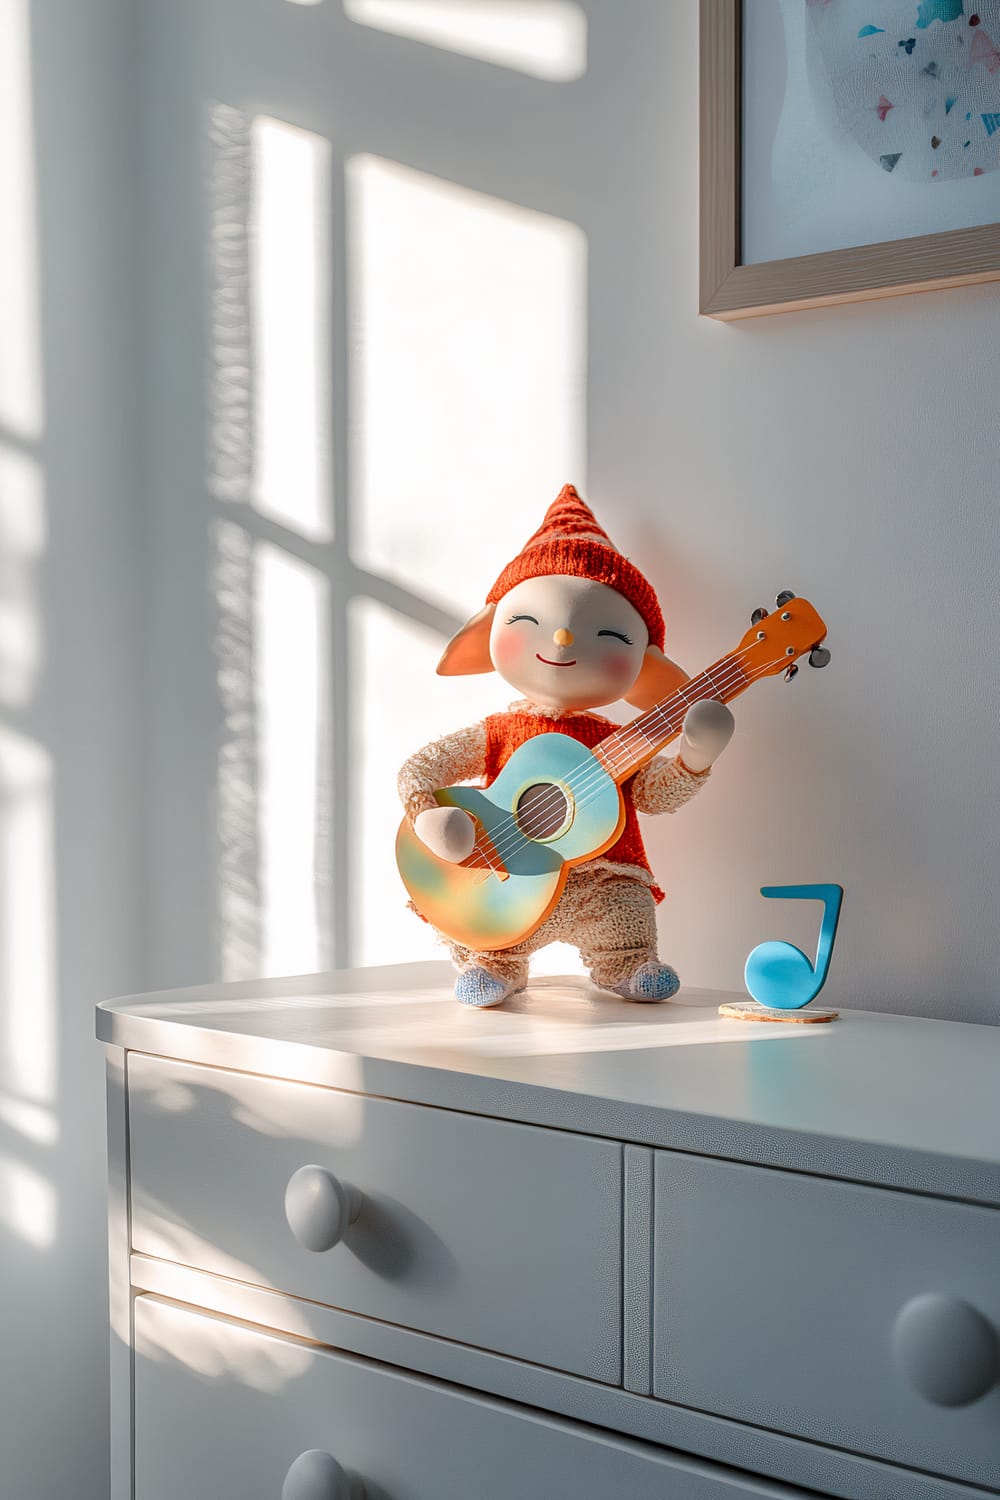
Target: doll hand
{"x": 708, "y": 728}
{"x": 448, "y": 832}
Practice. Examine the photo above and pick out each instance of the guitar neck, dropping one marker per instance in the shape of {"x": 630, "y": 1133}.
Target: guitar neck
{"x": 624, "y": 752}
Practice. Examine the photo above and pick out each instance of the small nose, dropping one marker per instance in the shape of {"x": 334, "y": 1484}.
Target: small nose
{"x": 563, "y": 637}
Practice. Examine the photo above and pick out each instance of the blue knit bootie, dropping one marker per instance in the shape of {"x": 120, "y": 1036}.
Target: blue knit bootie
{"x": 482, "y": 989}
{"x": 651, "y": 981}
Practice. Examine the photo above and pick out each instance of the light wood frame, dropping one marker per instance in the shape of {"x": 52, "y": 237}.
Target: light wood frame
{"x": 730, "y": 289}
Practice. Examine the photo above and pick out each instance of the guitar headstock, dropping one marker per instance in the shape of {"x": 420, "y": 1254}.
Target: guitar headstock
{"x": 775, "y": 641}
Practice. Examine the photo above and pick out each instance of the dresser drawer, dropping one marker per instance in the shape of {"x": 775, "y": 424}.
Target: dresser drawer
{"x": 792, "y": 1302}
{"x": 224, "y": 1410}
{"x": 494, "y": 1234}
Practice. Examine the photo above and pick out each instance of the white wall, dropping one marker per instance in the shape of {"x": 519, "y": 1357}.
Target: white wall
{"x": 847, "y": 454}
{"x": 71, "y": 913}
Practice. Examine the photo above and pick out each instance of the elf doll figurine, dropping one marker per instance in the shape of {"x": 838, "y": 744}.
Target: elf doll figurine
{"x": 572, "y": 625}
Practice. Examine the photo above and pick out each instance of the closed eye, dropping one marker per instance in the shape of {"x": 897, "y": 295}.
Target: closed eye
{"x": 514, "y": 619}
{"x": 618, "y": 634}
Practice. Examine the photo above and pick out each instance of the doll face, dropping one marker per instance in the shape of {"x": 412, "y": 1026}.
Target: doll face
{"x": 567, "y": 643}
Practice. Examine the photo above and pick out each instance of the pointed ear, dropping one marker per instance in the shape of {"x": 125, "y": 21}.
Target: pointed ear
{"x": 469, "y": 650}
{"x": 658, "y": 679}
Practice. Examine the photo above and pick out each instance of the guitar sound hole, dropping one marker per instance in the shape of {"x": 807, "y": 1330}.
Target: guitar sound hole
{"x": 542, "y": 810}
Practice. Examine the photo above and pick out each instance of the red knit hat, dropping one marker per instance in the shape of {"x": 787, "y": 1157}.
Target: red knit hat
{"x": 570, "y": 542}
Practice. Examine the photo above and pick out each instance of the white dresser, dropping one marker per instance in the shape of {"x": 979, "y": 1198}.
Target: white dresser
{"x": 365, "y": 1242}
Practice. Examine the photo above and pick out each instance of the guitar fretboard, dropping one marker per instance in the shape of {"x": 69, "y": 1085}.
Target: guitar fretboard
{"x": 630, "y": 747}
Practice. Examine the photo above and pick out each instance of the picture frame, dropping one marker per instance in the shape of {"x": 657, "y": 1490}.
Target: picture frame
{"x": 730, "y": 289}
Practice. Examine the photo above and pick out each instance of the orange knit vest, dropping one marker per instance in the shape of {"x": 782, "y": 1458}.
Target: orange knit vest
{"x": 506, "y": 732}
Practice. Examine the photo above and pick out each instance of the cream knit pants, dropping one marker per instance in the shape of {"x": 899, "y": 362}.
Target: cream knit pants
{"x": 609, "y": 917}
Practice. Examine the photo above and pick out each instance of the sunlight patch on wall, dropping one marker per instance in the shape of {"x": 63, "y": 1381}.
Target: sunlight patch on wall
{"x": 468, "y": 352}
{"x": 469, "y": 399}
{"x": 29, "y": 1120}
{"x": 20, "y": 356}
{"x": 545, "y": 38}
{"x": 289, "y": 248}
{"x": 290, "y": 677}
{"x": 27, "y": 920}
{"x": 27, "y": 1204}
{"x": 22, "y": 541}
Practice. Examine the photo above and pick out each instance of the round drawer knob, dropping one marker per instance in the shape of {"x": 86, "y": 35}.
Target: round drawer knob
{"x": 319, "y": 1207}
{"x": 945, "y": 1349}
{"x": 316, "y": 1475}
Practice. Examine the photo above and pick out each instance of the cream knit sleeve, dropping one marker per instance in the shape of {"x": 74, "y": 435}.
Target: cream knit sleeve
{"x": 665, "y": 785}
{"x": 457, "y": 757}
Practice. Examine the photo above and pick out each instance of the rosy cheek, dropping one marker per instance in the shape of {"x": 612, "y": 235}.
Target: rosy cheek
{"x": 509, "y": 648}
{"x": 619, "y": 666}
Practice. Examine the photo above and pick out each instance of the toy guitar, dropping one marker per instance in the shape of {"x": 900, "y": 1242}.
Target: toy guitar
{"x": 557, "y": 804}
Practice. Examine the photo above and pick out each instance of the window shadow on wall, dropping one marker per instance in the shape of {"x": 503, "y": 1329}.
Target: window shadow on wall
{"x": 397, "y": 389}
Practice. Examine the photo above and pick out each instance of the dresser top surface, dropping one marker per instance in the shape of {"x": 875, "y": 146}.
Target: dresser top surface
{"x": 887, "y": 1099}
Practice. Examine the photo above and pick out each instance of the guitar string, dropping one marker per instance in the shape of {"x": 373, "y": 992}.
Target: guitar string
{"x": 510, "y": 835}
{"x": 513, "y": 837}
{"x": 594, "y": 778}
{"x": 550, "y": 801}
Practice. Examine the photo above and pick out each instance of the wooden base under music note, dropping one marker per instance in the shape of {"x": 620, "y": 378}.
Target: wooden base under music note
{"x": 750, "y": 1010}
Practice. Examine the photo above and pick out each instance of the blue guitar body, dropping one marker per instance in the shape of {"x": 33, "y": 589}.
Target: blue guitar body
{"x": 553, "y": 806}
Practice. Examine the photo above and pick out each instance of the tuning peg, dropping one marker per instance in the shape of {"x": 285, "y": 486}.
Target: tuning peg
{"x": 758, "y": 615}
{"x": 783, "y": 598}
{"x": 792, "y": 673}
{"x": 819, "y": 656}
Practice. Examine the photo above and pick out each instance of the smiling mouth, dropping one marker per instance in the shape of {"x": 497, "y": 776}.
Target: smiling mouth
{"x": 555, "y": 663}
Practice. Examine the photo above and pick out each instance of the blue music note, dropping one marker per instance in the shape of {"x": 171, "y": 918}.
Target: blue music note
{"x": 780, "y": 975}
